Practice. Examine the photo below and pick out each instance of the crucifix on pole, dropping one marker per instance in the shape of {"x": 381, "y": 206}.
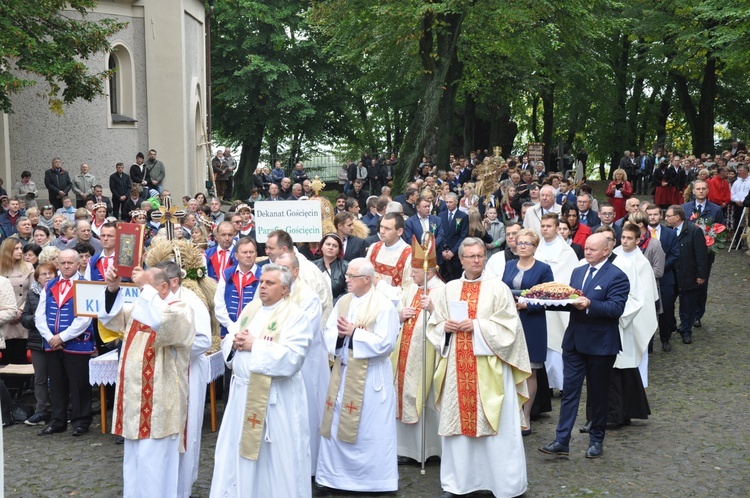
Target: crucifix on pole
{"x": 167, "y": 215}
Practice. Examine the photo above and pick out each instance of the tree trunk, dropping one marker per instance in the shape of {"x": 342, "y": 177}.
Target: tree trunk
{"x": 470, "y": 116}
{"x": 243, "y": 177}
{"x": 548, "y": 120}
{"x": 620, "y": 138}
{"x": 507, "y": 130}
{"x": 635, "y": 101}
{"x": 534, "y": 126}
{"x": 422, "y": 127}
{"x": 700, "y": 120}
{"x": 602, "y": 172}
{"x": 663, "y": 116}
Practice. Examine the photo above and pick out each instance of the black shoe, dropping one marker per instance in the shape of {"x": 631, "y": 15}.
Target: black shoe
{"x": 119, "y": 440}
{"x": 586, "y": 428}
{"x": 555, "y": 448}
{"x": 80, "y": 431}
{"x": 687, "y": 339}
{"x": 594, "y": 451}
{"x": 49, "y": 430}
{"x": 697, "y": 323}
{"x": 526, "y": 432}
{"x": 402, "y": 460}
{"x": 666, "y": 347}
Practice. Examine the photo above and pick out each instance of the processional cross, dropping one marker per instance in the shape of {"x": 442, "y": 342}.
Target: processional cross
{"x": 167, "y": 215}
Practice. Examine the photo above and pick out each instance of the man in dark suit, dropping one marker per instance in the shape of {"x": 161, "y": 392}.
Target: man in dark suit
{"x": 632, "y": 205}
{"x": 606, "y": 216}
{"x": 354, "y": 247}
{"x": 455, "y": 227}
{"x": 98, "y": 196}
{"x": 591, "y": 344}
{"x": 58, "y": 183}
{"x": 691, "y": 268}
{"x": 667, "y": 282}
{"x": 120, "y": 185}
{"x": 423, "y": 220}
{"x": 359, "y": 193}
{"x": 645, "y": 166}
{"x": 587, "y": 216}
{"x": 703, "y": 209}
{"x": 409, "y": 203}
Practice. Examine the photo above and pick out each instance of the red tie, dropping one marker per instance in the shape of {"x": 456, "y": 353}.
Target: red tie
{"x": 222, "y": 261}
{"x": 105, "y": 264}
{"x": 246, "y": 279}
{"x": 64, "y": 287}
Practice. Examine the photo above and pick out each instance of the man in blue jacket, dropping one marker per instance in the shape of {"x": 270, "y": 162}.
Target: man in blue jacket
{"x": 591, "y": 344}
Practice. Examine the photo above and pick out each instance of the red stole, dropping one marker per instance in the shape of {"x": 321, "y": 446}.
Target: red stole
{"x": 466, "y": 365}
{"x": 403, "y": 353}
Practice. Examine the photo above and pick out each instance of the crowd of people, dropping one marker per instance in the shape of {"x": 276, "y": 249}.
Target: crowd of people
{"x": 326, "y": 342}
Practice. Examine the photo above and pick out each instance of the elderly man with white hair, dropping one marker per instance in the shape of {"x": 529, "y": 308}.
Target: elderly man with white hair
{"x": 263, "y": 448}
{"x": 358, "y": 444}
{"x": 547, "y": 204}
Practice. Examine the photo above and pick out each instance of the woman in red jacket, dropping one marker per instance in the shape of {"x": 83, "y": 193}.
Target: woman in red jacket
{"x": 619, "y": 191}
{"x": 578, "y": 231}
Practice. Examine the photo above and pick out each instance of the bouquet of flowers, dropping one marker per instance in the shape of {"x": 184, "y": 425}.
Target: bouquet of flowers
{"x": 715, "y": 233}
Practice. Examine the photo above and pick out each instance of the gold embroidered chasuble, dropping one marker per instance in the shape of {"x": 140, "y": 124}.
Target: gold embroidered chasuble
{"x": 469, "y": 386}
{"x": 407, "y": 357}
{"x": 152, "y": 377}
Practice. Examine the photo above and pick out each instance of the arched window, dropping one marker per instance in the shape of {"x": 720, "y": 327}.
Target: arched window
{"x": 114, "y": 96}
{"x": 121, "y": 87}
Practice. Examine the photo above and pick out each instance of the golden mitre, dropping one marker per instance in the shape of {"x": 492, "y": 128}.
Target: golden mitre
{"x": 419, "y": 252}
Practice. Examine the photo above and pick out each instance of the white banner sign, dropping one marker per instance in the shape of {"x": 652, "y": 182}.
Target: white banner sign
{"x": 303, "y": 220}
{"x": 86, "y": 296}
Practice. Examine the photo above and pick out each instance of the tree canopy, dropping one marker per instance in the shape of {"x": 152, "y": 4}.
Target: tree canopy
{"x": 434, "y": 77}
{"x": 39, "y": 40}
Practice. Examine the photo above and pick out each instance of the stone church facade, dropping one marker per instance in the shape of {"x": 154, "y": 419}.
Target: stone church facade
{"x": 156, "y": 100}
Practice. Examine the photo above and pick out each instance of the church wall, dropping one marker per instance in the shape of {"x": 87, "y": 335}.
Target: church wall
{"x": 165, "y": 41}
{"x": 84, "y": 132}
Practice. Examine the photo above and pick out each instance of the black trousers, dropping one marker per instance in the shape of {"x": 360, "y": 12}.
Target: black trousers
{"x": 667, "y": 321}
{"x": 69, "y": 385}
{"x": 116, "y": 207}
{"x": 688, "y": 310}
{"x": 596, "y": 371}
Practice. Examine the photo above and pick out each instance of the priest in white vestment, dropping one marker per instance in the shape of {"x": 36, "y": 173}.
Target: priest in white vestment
{"x": 408, "y": 372}
{"x": 190, "y": 459}
{"x": 391, "y": 257}
{"x": 263, "y": 447}
{"x": 358, "y": 432}
{"x": 280, "y": 242}
{"x": 480, "y": 381}
{"x": 554, "y": 251}
{"x": 315, "y": 371}
{"x": 152, "y": 386}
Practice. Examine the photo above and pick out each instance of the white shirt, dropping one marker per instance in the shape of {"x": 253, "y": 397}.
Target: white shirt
{"x": 740, "y": 189}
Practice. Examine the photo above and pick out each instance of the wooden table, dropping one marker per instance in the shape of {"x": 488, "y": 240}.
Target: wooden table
{"x": 103, "y": 372}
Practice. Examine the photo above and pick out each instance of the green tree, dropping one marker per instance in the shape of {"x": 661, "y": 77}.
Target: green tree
{"x": 37, "y": 39}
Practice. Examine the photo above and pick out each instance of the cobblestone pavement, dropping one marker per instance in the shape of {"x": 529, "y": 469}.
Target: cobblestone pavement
{"x": 696, "y": 442}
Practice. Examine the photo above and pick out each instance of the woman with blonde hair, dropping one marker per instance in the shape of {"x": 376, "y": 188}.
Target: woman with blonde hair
{"x": 469, "y": 200}
{"x": 20, "y": 273}
{"x": 619, "y": 191}
{"x": 476, "y": 227}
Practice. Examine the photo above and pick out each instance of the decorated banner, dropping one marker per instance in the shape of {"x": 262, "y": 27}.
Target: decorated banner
{"x": 87, "y": 295}
{"x": 303, "y": 220}
{"x": 536, "y": 151}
